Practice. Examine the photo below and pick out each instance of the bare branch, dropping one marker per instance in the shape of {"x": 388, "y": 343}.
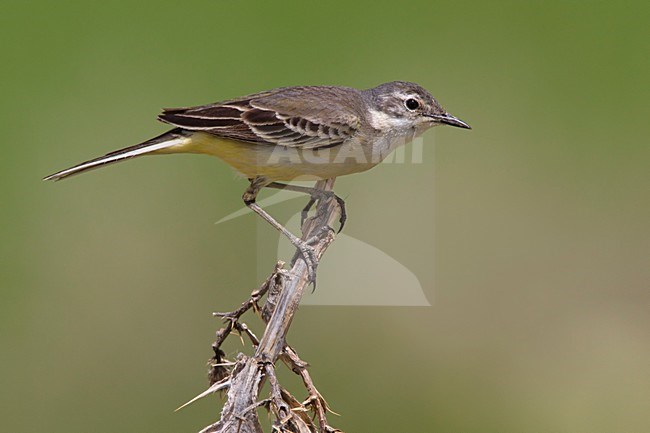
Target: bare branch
{"x": 285, "y": 289}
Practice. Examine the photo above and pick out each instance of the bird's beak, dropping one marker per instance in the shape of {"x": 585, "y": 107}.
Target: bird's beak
{"x": 450, "y": 120}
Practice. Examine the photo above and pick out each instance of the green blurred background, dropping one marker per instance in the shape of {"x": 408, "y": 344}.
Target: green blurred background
{"x": 529, "y": 234}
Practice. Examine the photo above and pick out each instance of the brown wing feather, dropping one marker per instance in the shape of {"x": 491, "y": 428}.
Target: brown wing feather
{"x": 305, "y": 117}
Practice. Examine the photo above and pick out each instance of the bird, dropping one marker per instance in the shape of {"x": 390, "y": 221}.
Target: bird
{"x": 294, "y": 133}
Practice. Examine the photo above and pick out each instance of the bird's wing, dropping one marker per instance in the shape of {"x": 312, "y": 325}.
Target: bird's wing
{"x": 301, "y": 117}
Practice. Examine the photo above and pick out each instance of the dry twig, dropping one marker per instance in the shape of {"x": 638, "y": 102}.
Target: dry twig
{"x": 245, "y": 377}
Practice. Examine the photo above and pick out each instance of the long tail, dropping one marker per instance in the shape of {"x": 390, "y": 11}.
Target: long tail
{"x": 168, "y": 139}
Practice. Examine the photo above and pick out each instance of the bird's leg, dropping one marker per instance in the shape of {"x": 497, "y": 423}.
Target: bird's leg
{"x": 306, "y": 250}
{"x": 315, "y": 194}
{"x": 305, "y": 211}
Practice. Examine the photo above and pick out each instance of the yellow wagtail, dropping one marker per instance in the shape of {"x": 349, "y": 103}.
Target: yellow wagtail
{"x": 294, "y": 133}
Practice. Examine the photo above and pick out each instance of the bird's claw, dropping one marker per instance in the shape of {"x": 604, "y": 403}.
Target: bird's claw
{"x": 308, "y": 254}
{"x": 325, "y": 194}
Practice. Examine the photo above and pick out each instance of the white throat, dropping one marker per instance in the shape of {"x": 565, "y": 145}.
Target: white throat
{"x": 387, "y": 123}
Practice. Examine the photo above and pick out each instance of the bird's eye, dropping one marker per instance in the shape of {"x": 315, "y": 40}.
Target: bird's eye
{"x": 412, "y": 104}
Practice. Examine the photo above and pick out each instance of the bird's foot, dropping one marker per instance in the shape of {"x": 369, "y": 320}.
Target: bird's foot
{"x": 308, "y": 254}
{"x": 321, "y": 195}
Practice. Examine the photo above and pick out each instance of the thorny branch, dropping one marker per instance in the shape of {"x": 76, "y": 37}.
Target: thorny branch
{"x": 245, "y": 377}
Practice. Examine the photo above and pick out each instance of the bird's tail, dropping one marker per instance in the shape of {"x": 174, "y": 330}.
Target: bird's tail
{"x": 171, "y": 138}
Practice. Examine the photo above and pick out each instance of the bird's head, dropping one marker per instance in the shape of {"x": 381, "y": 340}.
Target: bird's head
{"x": 399, "y": 105}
